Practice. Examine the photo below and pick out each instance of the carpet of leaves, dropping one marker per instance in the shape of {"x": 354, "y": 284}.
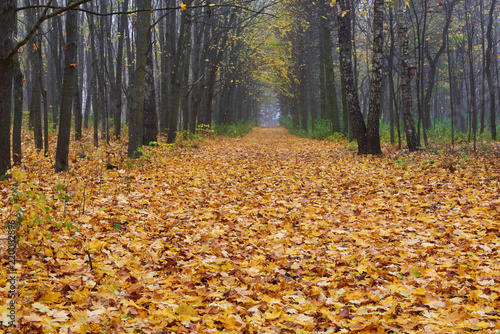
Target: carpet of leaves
{"x": 264, "y": 234}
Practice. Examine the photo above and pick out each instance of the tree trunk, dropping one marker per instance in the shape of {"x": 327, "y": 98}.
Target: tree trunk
{"x": 331, "y": 89}
{"x": 100, "y": 79}
{"x": 150, "y": 131}
{"x": 185, "y": 91}
{"x": 489, "y": 57}
{"x": 181, "y": 61}
{"x": 197, "y": 70}
{"x": 7, "y": 23}
{"x": 35, "y": 57}
{"x": 345, "y": 46}
{"x": 137, "y": 94}
{"x": 392, "y": 100}
{"x": 18, "y": 110}
{"x": 69, "y": 82}
{"x": 93, "y": 85}
{"x": 45, "y": 122}
{"x": 409, "y": 125}
{"x": 470, "y": 51}
{"x": 117, "y": 91}
{"x": 322, "y": 75}
{"x": 77, "y": 110}
{"x": 450, "y": 83}
{"x": 483, "y": 72}
{"x": 376, "y": 82}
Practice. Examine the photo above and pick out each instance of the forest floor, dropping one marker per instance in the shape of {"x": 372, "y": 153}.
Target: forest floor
{"x": 269, "y": 233}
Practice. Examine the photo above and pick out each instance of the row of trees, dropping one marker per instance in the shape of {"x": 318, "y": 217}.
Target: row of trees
{"x": 157, "y": 65}
{"x": 352, "y": 62}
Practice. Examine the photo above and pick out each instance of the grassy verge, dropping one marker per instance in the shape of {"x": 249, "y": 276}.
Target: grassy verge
{"x": 238, "y": 129}
{"x": 439, "y": 137}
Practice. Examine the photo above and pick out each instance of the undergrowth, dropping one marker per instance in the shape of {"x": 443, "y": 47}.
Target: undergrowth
{"x": 439, "y": 137}
{"x": 238, "y": 129}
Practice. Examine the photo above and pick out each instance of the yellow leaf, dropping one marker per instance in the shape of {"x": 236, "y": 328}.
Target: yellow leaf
{"x": 183, "y": 6}
{"x": 81, "y": 318}
{"x": 271, "y": 315}
{"x": 186, "y": 312}
{"x": 19, "y": 175}
{"x": 419, "y": 291}
{"x": 51, "y": 297}
{"x": 362, "y": 268}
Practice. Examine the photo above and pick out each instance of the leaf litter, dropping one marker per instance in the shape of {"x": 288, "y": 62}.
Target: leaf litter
{"x": 269, "y": 233}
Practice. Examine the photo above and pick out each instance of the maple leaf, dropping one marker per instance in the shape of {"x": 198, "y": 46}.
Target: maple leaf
{"x": 272, "y": 314}
{"x": 186, "y": 312}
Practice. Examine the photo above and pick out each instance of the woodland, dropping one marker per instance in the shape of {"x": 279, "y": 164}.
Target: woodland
{"x": 249, "y": 166}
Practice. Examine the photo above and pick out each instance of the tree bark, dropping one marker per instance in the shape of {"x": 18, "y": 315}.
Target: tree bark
{"x": 77, "y": 109}
{"x": 409, "y": 125}
{"x": 470, "y": 56}
{"x": 117, "y": 91}
{"x": 489, "y": 57}
{"x": 137, "y": 94}
{"x": 181, "y": 61}
{"x": 94, "y": 81}
{"x": 331, "y": 88}
{"x": 69, "y": 82}
{"x": 376, "y": 82}
{"x": 197, "y": 71}
{"x": 18, "y": 111}
{"x": 322, "y": 75}
{"x": 150, "y": 132}
{"x": 7, "y": 22}
{"x": 35, "y": 104}
{"x": 345, "y": 46}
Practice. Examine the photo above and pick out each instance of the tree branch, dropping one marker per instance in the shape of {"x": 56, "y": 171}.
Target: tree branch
{"x": 37, "y": 25}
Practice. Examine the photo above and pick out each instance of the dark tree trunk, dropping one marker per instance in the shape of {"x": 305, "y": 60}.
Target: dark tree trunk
{"x": 117, "y": 90}
{"x": 376, "y": 82}
{"x": 100, "y": 78}
{"x": 483, "y": 72}
{"x": 181, "y": 61}
{"x": 69, "y": 82}
{"x": 450, "y": 83}
{"x": 409, "y": 125}
{"x": 346, "y": 126}
{"x": 489, "y": 58}
{"x": 137, "y": 90}
{"x": 185, "y": 91}
{"x": 77, "y": 110}
{"x": 88, "y": 102}
{"x": 345, "y": 47}
{"x": 390, "y": 70}
{"x": 7, "y": 23}
{"x": 470, "y": 52}
{"x": 165, "y": 53}
{"x": 45, "y": 122}
{"x": 18, "y": 111}
{"x": 322, "y": 75}
{"x": 331, "y": 89}
{"x": 54, "y": 36}
{"x": 35, "y": 57}
{"x": 150, "y": 131}
{"x": 94, "y": 89}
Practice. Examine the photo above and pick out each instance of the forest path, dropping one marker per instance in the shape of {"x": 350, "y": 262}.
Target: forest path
{"x": 269, "y": 233}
